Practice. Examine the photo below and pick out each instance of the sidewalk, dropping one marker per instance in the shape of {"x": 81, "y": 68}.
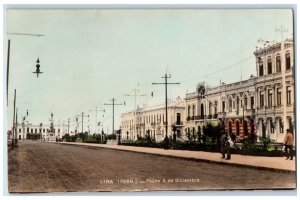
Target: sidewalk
{"x": 260, "y": 162}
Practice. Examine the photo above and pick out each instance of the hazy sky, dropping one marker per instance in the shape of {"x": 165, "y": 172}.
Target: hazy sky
{"x": 90, "y": 56}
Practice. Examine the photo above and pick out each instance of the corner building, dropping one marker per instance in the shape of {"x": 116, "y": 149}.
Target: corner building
{"x": 260, "y": 106}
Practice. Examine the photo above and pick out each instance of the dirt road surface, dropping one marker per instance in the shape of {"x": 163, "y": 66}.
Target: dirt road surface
{"x": 51, "y": 167}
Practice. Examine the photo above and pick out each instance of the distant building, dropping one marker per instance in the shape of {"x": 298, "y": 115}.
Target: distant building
{"x": 27, "y": 131}
{"x": 152, "y": 121}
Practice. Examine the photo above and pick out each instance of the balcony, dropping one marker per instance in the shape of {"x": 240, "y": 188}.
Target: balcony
{"x": 222, "y": 114}
{"x": 215, "y": 116}
{"x": 179, "y": 123}
{"x": 209, "y": 116}
{"x": 199, "y": 117}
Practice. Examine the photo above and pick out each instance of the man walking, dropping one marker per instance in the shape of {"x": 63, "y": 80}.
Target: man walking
{"x": 223, "y": 144}
{"x": 288, "y": 142}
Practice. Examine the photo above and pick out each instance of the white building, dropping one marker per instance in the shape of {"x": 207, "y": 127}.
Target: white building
{"x": 152, "y": 120}
{"x": 261, "y": 106}
{"x": 40, "y": 131}
{"x": 274, "y": 86}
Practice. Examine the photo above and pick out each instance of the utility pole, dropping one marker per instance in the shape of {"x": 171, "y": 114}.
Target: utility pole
{"x": 68, "y": 126}
{"x": 96, "y": 112}
{"x": 16, "y": 133}
{"x": 166, "y": 98}
{"x": 113, "y": 107}
{"x": 82, "y": 115}
{"x": 134, "y": 95}
{"x": 7, "y": 71}
{"x": 13, "y": 129}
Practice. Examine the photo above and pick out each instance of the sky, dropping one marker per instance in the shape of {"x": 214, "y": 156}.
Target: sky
{"x": 89, "y": 57}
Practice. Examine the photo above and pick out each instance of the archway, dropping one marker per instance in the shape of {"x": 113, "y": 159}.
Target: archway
{"x": 230, "y": 127}
{"x": 237, "y": 128}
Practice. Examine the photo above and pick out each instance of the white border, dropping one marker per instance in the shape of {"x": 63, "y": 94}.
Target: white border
{"x": 149, "y": 4}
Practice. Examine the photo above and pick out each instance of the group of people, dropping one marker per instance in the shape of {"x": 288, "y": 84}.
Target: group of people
{"x": 227, "y": 143}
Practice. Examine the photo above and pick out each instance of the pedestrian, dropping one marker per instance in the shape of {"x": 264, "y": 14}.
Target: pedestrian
{"x": 227, "y": 146}
{"x": 223, "y": 144}
{"x": 288, "y": 142}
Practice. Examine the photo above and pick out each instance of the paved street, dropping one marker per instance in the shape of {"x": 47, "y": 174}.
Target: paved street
{"x": 51, "y": 167}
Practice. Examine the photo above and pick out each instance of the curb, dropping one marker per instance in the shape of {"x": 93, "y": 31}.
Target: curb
{"x": 187, "y": 158}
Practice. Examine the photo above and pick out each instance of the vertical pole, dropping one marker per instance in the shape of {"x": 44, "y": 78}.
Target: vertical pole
{"x": 96, "y": 131}
{"x": 7, "y": 71}
{"x": 16, "y": 131}
{"x": 68, "y": 126}
{"x": 134, "y": 131}
{"x": 166, "y": 89}
{"x": 113, "y": 124}
{"x": 13, "y": 129}
{"x": 82, "y": 122}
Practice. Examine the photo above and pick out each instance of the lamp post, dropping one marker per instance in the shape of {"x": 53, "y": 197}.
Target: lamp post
{"x": 7, "y": 78}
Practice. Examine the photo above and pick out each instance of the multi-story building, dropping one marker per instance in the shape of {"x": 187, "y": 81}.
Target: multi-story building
{"x": 274, "y": 87}
{"x": 231, "y": 105}
{"x": 262, "y": 105}
{"x": 152, "y": 121}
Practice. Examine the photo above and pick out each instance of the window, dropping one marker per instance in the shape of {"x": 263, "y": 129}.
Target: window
{"x": 58, "y": 130}
{"x": 233, "y": 104}
{"x": 178, "y": 118}
{"x": 288, "y": 95}
{"x": 43, "y": 130}
{"x": 261, "y": 98}
{"x": 252, "y": 102}
{"x": 269, "y": 66}
{"x": 20, "y": 130}
{"x": 287, "y": 61}
{"x": 278, "y": 64}
{"x": 271, "y": 126}
{"x": 31, "y": 130}
{"x": 189, "y": 108}
{"x": 281, "y": 126}
{"x": 223, "y": 106}
{"x": 216, "y": 106}
{"x": 230, "y": 104}
{"x": 261, "y": 69}
{"x": 27, "y": 130}
{"x": 245, "y": 102}
{"x": 193, "y": 110}
{"x": 270, "y": 97}
{"x": 279, "y": 96}
{"x": 209, "y": 108}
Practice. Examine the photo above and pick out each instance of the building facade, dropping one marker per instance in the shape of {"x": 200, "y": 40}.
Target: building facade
{"x": 27, "y": 131}
{"x": 152, "y": 121}
{"x": 261, "y": 106}
{"x": 274, "y": 87}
